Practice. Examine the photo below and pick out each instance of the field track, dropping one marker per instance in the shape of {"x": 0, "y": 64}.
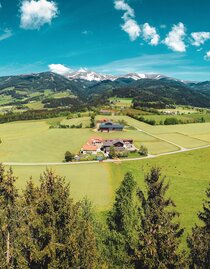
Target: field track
{"x": 108, "y": 161}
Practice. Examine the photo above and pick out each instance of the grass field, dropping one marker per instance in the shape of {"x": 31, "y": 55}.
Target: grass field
{"x": 76, "y": 121}
{"x": 121, "y": 102}
{"x": 181, "y": 110}
{"x": 34, "y": 141}
{"x": 185, "y": 135}
{"x": 188, "y": 174}
{"x": 186, "y": 118}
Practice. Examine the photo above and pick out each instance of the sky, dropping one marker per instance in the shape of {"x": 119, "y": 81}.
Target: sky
{"x": 169, "y": 37}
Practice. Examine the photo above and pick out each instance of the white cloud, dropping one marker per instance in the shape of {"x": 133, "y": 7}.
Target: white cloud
{"x": 175, "y": 38}
{"x": 207, "y": 56}
{"x": 121, "y": 5}
{"x": 132, "y": 28}
{"x": 199, "y": 38}
{"x": 7, "y": 33}
{"x": 59, "y": 69}
{"x": 150, "y": 34}
{"x": 35, "y": 14}
{"x": 130, "y": 25}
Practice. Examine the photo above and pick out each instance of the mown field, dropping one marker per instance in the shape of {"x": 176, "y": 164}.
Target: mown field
{"x": 35, "y": 141}
{"x": 188, "y": 174}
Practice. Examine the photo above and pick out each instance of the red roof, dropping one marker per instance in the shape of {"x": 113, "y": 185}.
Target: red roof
{"x": 96, "y": 139}
{"x": 89, "y": 147}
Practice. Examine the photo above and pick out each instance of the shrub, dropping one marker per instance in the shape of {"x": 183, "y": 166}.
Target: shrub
{"x": 69, "y": 156}
{"x": 143, "y": 151}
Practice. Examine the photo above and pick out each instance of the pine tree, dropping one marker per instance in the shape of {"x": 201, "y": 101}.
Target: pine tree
{"x": 123, "y": 223}
{"x": 199, "y": 242}
{"x": 160, "y": 235}
{"x": 88, "y": 255}
{"x": 48, "y": 229}
{"x": 8, "y": 218}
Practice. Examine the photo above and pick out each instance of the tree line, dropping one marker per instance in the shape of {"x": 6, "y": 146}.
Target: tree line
{"x": 42, "y": 227}
{"x": 166, "y": 121}
{"x": 34, "y": 115}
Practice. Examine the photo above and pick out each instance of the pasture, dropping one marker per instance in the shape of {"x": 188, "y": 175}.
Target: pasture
{"x": 34, "y": 141}
{"x": 185, "y": 118}
{"x": 188, "y": 174}
{"x": 121, "y": 102}
{"x": 85, "y": 121}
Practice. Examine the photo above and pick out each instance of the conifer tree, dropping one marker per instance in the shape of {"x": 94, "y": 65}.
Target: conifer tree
{"x": 8, "y": 218}
{"x": 49, "y": 227}
{"x": 88, "y": 255}
{"x": 123, "y": 223}
{"x": 160, "y": 234}
{"x": 199, "y": 242}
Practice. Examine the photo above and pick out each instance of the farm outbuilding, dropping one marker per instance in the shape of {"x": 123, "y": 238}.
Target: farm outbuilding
{"x": 110, "y": 126}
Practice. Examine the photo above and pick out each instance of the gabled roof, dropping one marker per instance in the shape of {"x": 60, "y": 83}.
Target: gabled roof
{"x": 89, "y": 148}
{"x": 109, "y": 143}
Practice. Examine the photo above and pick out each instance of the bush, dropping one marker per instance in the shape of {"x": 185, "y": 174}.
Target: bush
{"x": 143, "y": 151}
{"x": 171, "y": 121}
{"x": 69, "y": 156}
{"x": 123, "y": 154}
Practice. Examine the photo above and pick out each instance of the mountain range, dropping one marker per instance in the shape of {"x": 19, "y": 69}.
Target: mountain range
{"x": 85, "y": 74}
{"x": 93, "y": 88}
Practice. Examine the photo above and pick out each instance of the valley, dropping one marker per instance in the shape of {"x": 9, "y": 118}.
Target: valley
{"x": 54, "y": 114}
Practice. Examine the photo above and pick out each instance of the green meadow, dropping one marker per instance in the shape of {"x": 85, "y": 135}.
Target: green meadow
{"x": 35, "y": 141}
{"x": 121, "y": 102}
{"x": 185, "y": 118}
{"x": 187, "y": 173}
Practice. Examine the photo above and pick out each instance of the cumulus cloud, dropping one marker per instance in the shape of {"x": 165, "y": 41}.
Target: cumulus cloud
{"x": 130, "y": 25}
{"x": 121, "y": 5}
{"x": 7, "y": 33}
{"x": 35, "y": 14}
{"x": 199, "y": 38}
{"x": 207, "y": 56}
{"x": 150, "y": 34}
{"x": 175, "y": 38}
{"x": 132, "y": 28}
{"x": 59, "y": 69}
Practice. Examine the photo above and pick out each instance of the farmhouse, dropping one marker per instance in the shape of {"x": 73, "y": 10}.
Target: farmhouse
{"x": 105, "y": 112}
{"x": 110, "y": 126}
{"x": 119, "y": 145}
{"x": 92, "y": 146}
{"x": 96, "y": 145}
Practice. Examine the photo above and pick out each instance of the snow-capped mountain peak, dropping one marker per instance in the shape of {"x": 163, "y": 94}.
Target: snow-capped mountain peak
{"x": 85, "y": 74}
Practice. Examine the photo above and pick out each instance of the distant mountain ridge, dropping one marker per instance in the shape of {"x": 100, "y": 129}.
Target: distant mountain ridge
{"x": 92, "y": 88}
{"x": 85, "y": 74}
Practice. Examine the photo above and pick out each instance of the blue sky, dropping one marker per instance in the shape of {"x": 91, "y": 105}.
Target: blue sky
{"x": 170, "y": 37}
